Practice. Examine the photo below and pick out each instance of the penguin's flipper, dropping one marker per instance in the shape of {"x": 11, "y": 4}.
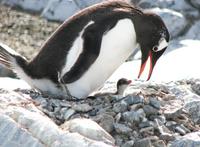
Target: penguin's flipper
{"x": 91, "y": 49}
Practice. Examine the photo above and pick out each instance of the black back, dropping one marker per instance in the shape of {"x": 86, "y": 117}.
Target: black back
{"x": 52, "y": 55}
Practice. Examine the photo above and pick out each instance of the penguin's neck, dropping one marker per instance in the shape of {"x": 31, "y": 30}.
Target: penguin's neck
{"x": 121, "y": 89}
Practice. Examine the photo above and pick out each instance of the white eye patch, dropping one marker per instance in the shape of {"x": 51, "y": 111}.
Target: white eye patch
{"x": 161, "y": 45}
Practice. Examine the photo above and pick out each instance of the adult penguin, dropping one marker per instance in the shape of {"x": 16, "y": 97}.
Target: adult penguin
{"x": 88, "y": 47}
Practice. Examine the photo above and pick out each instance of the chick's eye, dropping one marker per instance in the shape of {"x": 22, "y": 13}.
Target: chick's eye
{"x": 155, "y": 48}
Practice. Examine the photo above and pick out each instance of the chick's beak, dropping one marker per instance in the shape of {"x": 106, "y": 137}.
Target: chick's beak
{"x": 143, "y": 65}
{"x": 129, "y": 81}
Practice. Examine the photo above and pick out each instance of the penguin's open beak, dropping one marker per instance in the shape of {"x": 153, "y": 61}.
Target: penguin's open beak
{"x": 153, "y": 57}
{"x": 143, "y": 65}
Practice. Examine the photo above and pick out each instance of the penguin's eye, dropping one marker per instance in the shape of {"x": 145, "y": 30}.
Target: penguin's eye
{"x": 155, "y": 48}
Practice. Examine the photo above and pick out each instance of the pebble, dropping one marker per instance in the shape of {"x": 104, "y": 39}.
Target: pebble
{"x": 93, "y": 112}
{"x": 148, "y": 131}
{"x": 82, "y": 107}
{"x": 167, "y": 137}
{"x": 145, "y": 124}
{"x": 180, "y": 130}
{"x": 134, "y": 117}
{"x": 120, "y": 107}
{"x": 106, "y": 122}
{"x": 154, "y": 102}
{"x": 68, "y": 113}
{"x": 159, "y": 119}
{"x": 185, "y": 128}
{"x": 42, "y": 102}
{"x": 170, "y": 124}
{"x": 159, "y": 143}
{"x": 122, "y": 129}
{"x": 133, "y": 99}
{"x": 163, "y": 129}
{"x": 196, "y": 87}
{"x": 143, "y": 143}
{"x": 173, "y": 110}
{"x": 118, "y": 140}
{"x": 135, "y": 107}
{"x": 128, "y": 144}
{"x": 118, "y": 117}
{"x": 149, "y": 110}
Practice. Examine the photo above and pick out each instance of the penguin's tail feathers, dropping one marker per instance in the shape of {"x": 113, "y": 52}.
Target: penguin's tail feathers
{"x": 8, "y": 56}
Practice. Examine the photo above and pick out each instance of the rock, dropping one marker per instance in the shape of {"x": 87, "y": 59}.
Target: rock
{"x": 193, "y": 32}
{"x": 159, "y": 119}
{"x": 191, "y": 139}
{"x": 133, "y": 99}
{"x": 193, "y": 108}
{"x": 154, "y": 102}
{"x": 88, "y": 128}
{"x": 180, "y": 130}
{"x": 148, "y": 131}
{"x": 30, "y": 5}
{"x": 170, "y": 124}
{"x": 128, "y": 144}
{"x": 134, "y": 117}
{"x": 195, "y": 3}
{"x": 196, "y": 86}
{"x": 68, "y": 113}
{"x": 13, "y": 135}
{"x": 165, "y": 133}
{"x": 175, "y": 21}
{"x": 82, "y": 107}
{"x": 106, "y": 122}
{"x": 143, "y": 143}
{"x": 122, "y": 129}
{"x": 119, "y": 140}
{"x": 173, "y": 109}
{"x": 159, "y": 143}
{"x": 56, "y": 9}
{"x": 149, "y": 110}
{"x": 52, "y": 9}
{"x": 145, "y": 124}
{"x": 172, "y": 4}
{"x": 118, "y": 117}
{"x": 76, "y": 140}
{"x": 24, "y": 120}
{"x": 120, "y": 107}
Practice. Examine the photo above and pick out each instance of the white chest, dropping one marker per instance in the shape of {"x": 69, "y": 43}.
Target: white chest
{"x": 116, "y": 47}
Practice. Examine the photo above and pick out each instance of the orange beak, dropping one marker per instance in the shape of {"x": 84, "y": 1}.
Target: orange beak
{"x": 144, "y": 65}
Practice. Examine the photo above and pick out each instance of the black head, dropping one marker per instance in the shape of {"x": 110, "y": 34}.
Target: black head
{"x": 152, "y": 37}
{"x": 123, "y": 81}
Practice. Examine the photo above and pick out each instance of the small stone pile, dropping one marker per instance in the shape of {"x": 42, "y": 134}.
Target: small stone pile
{"x": 150, "y": 115}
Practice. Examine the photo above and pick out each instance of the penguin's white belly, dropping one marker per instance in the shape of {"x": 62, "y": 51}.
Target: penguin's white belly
{"x": 117, "y": 45}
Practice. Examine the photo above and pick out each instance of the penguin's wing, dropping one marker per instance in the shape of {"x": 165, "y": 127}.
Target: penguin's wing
{"x": 92, "y": 37}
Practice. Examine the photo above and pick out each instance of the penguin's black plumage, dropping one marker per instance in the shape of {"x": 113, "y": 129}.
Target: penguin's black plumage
{"x": 88, "y": 47}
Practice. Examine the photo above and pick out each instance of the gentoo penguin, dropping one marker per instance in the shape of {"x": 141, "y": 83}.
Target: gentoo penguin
{"x": 122, "y": 84}
{"x": 88, "y": 47}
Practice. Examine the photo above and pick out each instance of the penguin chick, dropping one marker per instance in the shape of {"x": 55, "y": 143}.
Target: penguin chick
{"x": 122, "y": 84}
